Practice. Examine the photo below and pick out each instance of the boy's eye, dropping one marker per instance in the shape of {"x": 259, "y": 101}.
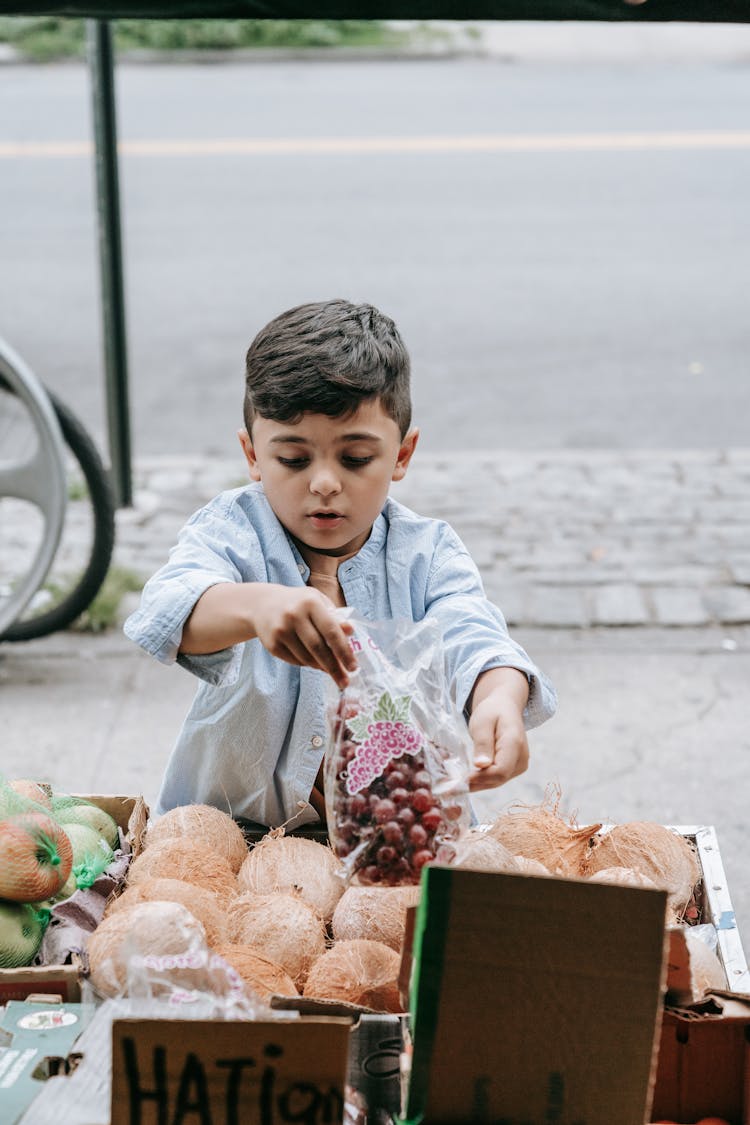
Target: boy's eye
{"x": 356, "y": 462}
{"x": 293, "y": 462}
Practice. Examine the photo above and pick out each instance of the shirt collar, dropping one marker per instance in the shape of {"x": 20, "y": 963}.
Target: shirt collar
{"x": 361, "y": 561}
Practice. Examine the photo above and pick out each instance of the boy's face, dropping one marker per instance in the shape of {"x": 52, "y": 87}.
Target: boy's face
{"x": 327, "y": 478}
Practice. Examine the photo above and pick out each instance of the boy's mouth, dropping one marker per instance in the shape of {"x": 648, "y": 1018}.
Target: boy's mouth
{"x": 325, "y": 518}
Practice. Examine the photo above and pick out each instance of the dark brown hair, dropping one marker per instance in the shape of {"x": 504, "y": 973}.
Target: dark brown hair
{"x": 327, "y": 358}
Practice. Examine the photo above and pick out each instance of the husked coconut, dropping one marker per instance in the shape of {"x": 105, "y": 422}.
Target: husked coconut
{"x": 528, "y": 866}
{"x": 193, "y": 863}
{"x": 263, "y": 977}
{"x": 374, "y": 914}
{"x": 296, "y": 866}
{"x": 202, "y": 903}
{"x": 212, "y": 827}
{"x": 622, "y": 877}
{"x": 477, "y": 850}
{"x": 282, "y": 927}
{"x": 663, "y": 855}
{"x": 538, "y": 832}
{"x": 148, "y": 929}
{"x": 363, "y": 972}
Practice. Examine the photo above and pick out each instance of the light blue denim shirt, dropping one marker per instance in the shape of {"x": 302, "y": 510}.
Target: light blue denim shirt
{"x": 256, "y": 732}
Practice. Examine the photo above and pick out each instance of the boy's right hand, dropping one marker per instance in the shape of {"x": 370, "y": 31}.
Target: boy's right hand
{"x": 300, "y": 626}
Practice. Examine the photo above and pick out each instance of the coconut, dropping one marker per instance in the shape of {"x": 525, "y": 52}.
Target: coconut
{"x": 157, "y": 929}
{"x": 80, "y": 812}
{"x": 297, "y": 866}
{"x": 211, "y": 826}
{"x": 478, "y": 851}
{"x": 653, "y": 850}
{"x": 706, "y": 971}
{"x": 528, "y": 866}
{"x": 374, "y": 914}
{"x": 21, "y": 932}
{"x": 202, "y": 903}
{"x": 539, "y": 832}
{"x": 281, "y": 927}
{"x": 192, "y": 862}
{"x": 622, "y": 877}
{"x": 359, "y": 972}
{"x": 262, "y": 976}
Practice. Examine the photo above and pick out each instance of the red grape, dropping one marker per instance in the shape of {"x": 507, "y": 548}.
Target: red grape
{"x": 421, "y": 800}
{"x": 393, "y": 832}
{"x": 432, "y": 819}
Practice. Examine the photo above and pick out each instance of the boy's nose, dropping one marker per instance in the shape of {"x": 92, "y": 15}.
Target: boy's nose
{"x": 325, "y": 483}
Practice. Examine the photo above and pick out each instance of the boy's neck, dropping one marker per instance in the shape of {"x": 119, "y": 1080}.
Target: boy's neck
{"x": 324, "y": 562}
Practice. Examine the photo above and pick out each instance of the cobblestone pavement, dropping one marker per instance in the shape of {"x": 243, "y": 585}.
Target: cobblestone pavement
{"x": 563, "y": 539}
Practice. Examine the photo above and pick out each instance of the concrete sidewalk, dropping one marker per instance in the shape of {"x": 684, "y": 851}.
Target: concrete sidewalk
{"x": 653, "y": 719}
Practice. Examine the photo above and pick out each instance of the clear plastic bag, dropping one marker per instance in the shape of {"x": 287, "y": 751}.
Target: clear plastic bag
{"x": 398, "y": 758}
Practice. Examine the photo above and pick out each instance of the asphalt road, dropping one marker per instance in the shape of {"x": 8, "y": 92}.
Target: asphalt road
{"x": 566, "y": 247}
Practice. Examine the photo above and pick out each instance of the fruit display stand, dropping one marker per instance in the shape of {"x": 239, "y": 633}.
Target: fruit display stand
{"x": 131, "y": 815}
{"x": 715, "y": 906}
{"x": 533, "y": 999}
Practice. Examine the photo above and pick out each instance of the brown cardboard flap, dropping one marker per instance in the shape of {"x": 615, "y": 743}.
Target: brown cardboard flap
{"x": 57, "y": 980}
{"x": 259, "y": 1073}
{"x": 129, "y": 813}
{"x": 537, "y": 1000}
{"x": 701, "y": 1068}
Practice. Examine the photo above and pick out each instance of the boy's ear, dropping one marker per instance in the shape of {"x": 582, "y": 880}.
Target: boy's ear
{"x": 249, "y": 450}
{"x": 406, "y": 450}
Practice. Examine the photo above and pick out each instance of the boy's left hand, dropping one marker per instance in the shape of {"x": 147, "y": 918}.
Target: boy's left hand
{"x": 501, "y": 750}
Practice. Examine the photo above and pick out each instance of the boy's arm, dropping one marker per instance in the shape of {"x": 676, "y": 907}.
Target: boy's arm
{"x": 496, "y": 726}
{"x": 496, "y": 684}
{"x": 295, "y": 624}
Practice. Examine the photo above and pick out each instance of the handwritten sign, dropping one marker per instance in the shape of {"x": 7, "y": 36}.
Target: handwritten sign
{"x": 201, "y": 1072}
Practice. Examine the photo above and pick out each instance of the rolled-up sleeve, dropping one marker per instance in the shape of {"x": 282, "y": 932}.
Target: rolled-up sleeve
{"x": 204, "y": 555}
{"x": 475, "y": 635}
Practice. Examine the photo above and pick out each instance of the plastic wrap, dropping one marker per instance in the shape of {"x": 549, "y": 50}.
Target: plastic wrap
{"x": 398, "y": 757}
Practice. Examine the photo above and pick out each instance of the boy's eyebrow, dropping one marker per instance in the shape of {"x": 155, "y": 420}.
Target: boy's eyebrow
{"x": 283, "y": 439}
{"x": 363, "y": 436}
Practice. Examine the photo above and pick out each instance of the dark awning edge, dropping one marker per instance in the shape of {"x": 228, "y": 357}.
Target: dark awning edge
{"x": 690, "y": 11}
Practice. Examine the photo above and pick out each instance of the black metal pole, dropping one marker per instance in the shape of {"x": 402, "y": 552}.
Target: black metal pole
{"x": 101, "y": 67}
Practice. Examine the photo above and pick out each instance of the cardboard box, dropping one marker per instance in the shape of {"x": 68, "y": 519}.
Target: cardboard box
{"x": 704, "y": 1061}
{"x": 131, "y": 814}
{"x": 511, "y": 1003}
{"x": 36, "y": 1038}
{"x": 534, "y": 1000}
{"x": 258, "y": 1073}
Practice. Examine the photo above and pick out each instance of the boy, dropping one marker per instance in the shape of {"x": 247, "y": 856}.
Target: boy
{"x": 247, "y": 600}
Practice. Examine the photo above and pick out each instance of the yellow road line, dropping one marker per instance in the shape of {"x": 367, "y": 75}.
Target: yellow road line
{"x": 323, "y": 146}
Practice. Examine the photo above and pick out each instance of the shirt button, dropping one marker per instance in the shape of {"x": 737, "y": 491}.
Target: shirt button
{"x": 301, "y": 568}
{"x": 316, "y": 741}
